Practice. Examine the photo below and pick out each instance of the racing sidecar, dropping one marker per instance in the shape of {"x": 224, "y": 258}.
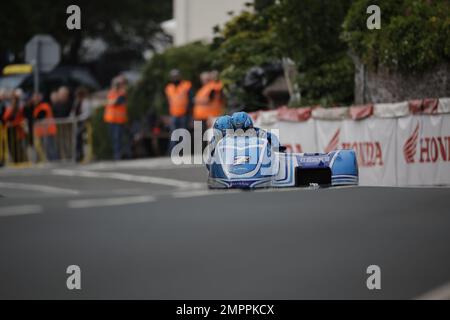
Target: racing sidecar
{"x": 248, "y": 162}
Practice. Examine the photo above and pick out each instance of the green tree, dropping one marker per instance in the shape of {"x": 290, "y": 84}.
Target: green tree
{"x": 307, "y": 31}
{"x": 247, "y": 40}
{"x": 414, "y": 34}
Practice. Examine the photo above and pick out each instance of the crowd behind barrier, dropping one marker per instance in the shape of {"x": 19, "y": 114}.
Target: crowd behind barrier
{"x": 35, "y": 130}
{"x": 397, "y": 144}
{"x": 57, "y": 128}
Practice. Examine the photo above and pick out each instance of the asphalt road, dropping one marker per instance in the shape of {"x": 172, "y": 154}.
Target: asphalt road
{"x": 149, "y": 230}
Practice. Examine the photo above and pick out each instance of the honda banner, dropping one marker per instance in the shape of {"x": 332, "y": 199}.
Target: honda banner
{"x": 405, "y": 151}
{"x": 373, "y": 141}
{"x": 297, "y": 136}
{"x": 423, "y": 152}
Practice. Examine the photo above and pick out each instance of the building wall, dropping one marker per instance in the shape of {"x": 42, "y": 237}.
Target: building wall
{"x": 382, "y": 86}
{"x": 195, "y": 19}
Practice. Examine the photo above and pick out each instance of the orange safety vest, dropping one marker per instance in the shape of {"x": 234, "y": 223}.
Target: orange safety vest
{"x": 203, "y": 107}
{"x": 115, "y": 113}
{"x": 178, "y": 97}
{"x": 47, "y": 127}
{"x": 18, "y": 117}
{"x": 218, "y": 103}
{"x": 15, "y": 121}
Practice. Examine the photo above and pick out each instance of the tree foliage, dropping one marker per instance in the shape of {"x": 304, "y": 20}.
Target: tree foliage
{"x": 414, "y": 35}
{"x": 247, "y": 40}
{"x": 132, "y": 23}
{"x": 306, "y": 31}
{"x": 309, "y": 32}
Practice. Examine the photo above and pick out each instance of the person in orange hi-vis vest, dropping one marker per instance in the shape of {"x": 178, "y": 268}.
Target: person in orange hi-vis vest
{"x": 14, "y": 119}
{"x": 179, "y": 98}
{"x": 217, "y": 96}
{"x": 44, "y": 126}
{"x": 204, "y": 107}
{"x": 115, "y": 114}
{"x": 202, "y": 101}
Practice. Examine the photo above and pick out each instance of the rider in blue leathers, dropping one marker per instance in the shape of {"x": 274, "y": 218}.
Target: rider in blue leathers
{"x": 239, "y": 121}
{"x": 242, "y": 120}
{"x": 222, "y": 126}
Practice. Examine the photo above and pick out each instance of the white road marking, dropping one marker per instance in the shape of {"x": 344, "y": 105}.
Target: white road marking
{"x": 38, "y": 188}
{"x": 440, "y": 293}
{"x": 128, "y": 177}
{"x": 107, "y": 202}
{"x": 285, "y": 189}
{"x": 415, "y": 187}
{"x": 201, "y": 193}
{"x": 154, "y": 164}
{"x": 20, "y": 210}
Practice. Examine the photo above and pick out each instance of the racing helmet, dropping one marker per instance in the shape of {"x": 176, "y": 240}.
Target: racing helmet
{"x": 223, "y": 124}
{"x": 241, "y": 120}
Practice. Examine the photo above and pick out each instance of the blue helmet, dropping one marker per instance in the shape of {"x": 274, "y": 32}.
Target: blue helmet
{"x": 223, "y": 124}
{"x": 241, "y": 120}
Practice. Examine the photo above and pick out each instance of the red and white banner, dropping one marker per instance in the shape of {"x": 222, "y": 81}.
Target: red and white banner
{"x": 423, "y": 152}
{"x": 374, "y": 142}
{"x": 328, "y": 135}
{"x": 401, "y": 144}
{"x": 297, "y": 136}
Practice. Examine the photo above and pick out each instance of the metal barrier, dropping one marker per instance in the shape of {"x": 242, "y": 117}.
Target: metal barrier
{"x": 14, "y": 145}
{"x": 3, "y": 142}
{"x": 71, "y": 140}
{"x": 63, "y": 140}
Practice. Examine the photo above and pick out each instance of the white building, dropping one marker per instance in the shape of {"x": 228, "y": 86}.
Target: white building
{"x": 195, "y": 19}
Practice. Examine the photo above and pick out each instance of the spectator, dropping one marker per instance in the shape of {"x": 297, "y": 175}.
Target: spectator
{"x": 13, "y": 117}
{"x": 216, "y": 96}
{"x": 54, "y": 101}
{"x": 81, "y": 108}
{"x": 203, "y": 108}
{"x": 2, "y": 102}
{"x": 179, "y": 97}
{"x": 115, "y": 114}
{"x": 2, "y": 110}
{"x": 28, "y": 113}
{"x": 81, "y": 111}
{"x": 62, "y": 105}
{"x": 44, "y": 126}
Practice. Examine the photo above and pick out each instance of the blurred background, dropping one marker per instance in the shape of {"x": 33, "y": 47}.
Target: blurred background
{"x": 262, "y": 55}
{"x": 134, "y": 71}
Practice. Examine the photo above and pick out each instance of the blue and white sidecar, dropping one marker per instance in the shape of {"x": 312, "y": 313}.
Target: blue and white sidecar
{"x": 248, "y": 162}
